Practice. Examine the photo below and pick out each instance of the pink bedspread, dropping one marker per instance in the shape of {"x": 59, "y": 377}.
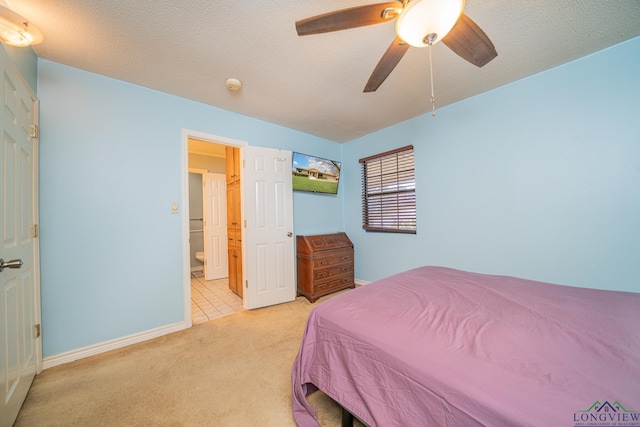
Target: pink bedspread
{"x": 440, "y": 347}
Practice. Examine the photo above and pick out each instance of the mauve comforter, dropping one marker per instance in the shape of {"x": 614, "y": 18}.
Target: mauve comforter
{"x": 436, "y": 346}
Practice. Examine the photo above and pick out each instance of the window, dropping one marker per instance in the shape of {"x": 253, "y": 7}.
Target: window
{"x": 389, "y": 191}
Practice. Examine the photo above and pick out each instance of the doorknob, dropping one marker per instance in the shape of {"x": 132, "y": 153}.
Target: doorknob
{"x": 289, "y": 234}
{"x": 14, "y": 263}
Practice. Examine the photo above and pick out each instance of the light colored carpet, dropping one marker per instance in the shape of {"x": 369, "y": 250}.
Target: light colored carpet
{"x": 232, "y": 371}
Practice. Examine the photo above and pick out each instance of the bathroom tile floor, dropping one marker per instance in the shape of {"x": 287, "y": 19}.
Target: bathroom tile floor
{"x": 211, "y": 299}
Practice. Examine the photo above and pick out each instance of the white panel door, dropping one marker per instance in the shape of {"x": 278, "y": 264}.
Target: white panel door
{"x": 19, "y": 287}
{"x": 215, "y": 226}
{"x": 268, "y": 229}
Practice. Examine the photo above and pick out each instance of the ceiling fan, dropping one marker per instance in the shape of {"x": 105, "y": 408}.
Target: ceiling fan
{"x": 419, "y": 23}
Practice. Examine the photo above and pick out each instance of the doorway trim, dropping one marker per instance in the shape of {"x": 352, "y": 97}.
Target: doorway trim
{"x": 184, "y": 201}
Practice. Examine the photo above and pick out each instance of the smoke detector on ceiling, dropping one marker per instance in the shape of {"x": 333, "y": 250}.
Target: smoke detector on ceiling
{"x": 233, "y": 84}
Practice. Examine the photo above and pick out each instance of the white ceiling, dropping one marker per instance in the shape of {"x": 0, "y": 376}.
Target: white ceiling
{"x": 313, "y": 83}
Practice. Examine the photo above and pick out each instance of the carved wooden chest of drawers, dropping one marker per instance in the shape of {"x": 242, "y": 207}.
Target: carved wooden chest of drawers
{"x": 324, "y": 264}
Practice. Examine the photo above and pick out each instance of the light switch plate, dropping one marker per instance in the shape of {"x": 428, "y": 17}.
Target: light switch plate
{"x": 174, "y": 208}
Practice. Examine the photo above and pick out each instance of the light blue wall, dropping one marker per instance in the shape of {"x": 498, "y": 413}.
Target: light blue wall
{"x": 539, "y": 179}
{"x": 110, "y": 165}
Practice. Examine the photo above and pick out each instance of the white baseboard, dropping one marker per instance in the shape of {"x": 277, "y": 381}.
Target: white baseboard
{"x": 92, "y": 350}
{"x": 361, "y": 282}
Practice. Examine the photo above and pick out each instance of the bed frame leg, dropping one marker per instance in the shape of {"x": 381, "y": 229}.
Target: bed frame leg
{"x": 347, "y": 418}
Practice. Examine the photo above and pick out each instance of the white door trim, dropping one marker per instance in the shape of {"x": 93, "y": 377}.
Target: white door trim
{"x": 184, "y": 201}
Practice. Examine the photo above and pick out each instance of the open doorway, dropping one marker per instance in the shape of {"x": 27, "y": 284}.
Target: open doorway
{"x": 207, "y": 291}
{"x": 265, "y": 223}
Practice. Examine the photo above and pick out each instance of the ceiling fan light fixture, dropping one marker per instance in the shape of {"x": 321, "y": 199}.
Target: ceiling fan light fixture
{"x": 421, "y": 19}
{"x": 16, "y": 30}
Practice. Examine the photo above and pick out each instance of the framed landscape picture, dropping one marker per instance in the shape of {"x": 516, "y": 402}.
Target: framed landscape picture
{"x": 315, "y": 174}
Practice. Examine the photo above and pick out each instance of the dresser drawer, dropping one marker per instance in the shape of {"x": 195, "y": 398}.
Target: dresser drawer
{"x": 333, "y": 272}
{"x": 326, "y": 261}
{"x": 339, "y": 282}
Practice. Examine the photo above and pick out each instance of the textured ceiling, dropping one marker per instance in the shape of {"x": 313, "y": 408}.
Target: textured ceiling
{"x": 313, "y": 83}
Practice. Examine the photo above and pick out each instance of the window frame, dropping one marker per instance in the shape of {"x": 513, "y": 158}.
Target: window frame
{"x": 380, "y": 212}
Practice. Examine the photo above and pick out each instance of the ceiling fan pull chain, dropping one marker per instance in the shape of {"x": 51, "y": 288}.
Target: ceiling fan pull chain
{"x": 430, "y": 39}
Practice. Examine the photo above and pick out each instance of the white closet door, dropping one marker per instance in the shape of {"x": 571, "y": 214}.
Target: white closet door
{"x": 215, "y": 226}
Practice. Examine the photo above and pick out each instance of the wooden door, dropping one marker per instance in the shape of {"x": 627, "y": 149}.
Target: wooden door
{"x": 232, "y": 163}
{"x": 238, "y": 262}
{"x": 234, "y": 219}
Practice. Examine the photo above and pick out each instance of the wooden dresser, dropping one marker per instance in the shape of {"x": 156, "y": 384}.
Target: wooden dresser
{"x": 324, "y": 264}
{"x": 234, "y": 220}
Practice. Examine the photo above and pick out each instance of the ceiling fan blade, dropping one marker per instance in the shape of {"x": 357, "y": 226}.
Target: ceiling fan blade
{"x": 353, "y": 17}
{"x": 387, "y": 63}
{"x": 471, "y": 43}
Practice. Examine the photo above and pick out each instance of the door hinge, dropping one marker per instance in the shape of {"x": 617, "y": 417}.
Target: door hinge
{"x": 34, "y": 131}
{"x": 245, "y": 223}
{"x": 246, "y": 284}
{"x": 36, "y": 330}
{"x": 35, "y": 231}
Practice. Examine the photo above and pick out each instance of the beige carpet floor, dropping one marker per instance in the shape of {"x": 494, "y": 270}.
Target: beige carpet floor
{"x": 232, "y": 371}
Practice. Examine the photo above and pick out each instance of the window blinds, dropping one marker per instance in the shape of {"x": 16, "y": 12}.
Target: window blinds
{"x": 389, "y": 191}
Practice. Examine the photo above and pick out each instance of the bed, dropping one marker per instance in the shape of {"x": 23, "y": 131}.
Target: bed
{"x": 436, "y": 346}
